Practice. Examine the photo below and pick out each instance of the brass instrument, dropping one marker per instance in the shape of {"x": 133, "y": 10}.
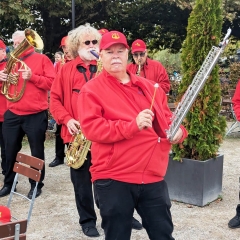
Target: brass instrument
{"x": 32, "y": 39}
{"x": 139, "y": 68}
{"x": 77, "y": 151}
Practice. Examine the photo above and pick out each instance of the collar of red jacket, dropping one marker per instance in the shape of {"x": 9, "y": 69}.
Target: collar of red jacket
{"x": 79, "y": 61}
{"x": 27, "y": 52}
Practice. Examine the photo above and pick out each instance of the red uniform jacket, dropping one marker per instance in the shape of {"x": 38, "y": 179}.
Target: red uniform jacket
{"x": 119, "y": 149}
{"x": 3, "y": 100}
{"x": 236, "y": 101}
{"x": 63, "y": 100}
{"x": 154, "y": 71}
{"x": 35, "y": 97}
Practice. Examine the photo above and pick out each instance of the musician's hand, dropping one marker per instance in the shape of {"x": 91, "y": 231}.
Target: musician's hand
{"x": 3, "y": 76}
{"x": 26, "y": 73}
{"x": 73, "y": 126}
{"x": 177, "y": 136}
{"x": 144, "y": 119}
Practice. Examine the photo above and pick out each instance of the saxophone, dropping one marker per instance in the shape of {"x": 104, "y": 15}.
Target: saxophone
{"x": 195, "y": 87}
{"x": 77, "y": 151}
{"x": 79, "y": 147}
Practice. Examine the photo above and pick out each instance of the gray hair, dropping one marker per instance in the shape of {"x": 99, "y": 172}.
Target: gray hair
{"x": 76, "y": 36}
{"x": 18, "y": 33}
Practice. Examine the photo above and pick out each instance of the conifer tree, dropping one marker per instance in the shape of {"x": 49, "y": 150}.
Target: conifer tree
{"x": 205, "y": 126}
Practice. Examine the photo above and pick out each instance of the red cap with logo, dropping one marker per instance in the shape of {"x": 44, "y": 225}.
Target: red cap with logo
{"x": 2, "y": 45}
{"x": 112, "y": 37}
{"x": 63, "y": 41}
{"x": 5, "y": 214}
{"x": 103, "y": 31}
{"x": 138, "y": 46}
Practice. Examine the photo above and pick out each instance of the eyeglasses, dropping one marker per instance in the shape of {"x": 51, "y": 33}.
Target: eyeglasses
{"x": 93, "y": 42}
{"x": 142, "y": 54}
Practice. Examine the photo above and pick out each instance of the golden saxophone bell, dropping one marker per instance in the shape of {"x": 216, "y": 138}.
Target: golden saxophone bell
{"x": 77, "y": 151}
{"x": 32, "y": 39}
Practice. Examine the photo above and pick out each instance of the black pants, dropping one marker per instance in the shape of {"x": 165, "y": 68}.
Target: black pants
{"x": 81, "y": 179}
{"x": 3, "y": 154}
{"x": 14, "y": 129}
{"x": 59, "y": 145}
{"x": 117, "y": 201}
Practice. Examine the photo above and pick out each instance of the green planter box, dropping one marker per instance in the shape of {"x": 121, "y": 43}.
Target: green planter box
{"x": 195, "y": 182}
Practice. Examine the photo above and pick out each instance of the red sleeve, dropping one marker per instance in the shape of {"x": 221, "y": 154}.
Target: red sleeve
{"x": 236, "y": 101}
{"x": 57, "y": 96}
{"x": 44, "y": 80}
{"x": 162, "y": 78}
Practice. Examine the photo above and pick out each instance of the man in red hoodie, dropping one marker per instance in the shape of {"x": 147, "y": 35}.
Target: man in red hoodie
{"x": 126, "y": 118}
{"x": 235, "y": 221}
{"x": 29, "y": 114}
{"x": 145, "y": 67}
{"x": 63, "y": 106}
{"x": 59, "y": 144}
{"x": 3, "y": 105}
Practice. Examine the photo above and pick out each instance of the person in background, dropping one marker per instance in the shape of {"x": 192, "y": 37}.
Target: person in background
{"x": 130, "y": 149}
{"x": 58, "y": 57}
{"x": 59, "y": 144}
{"x": 28, "y": 115}
{"x": 63, "y": 106}
{"x": 145, "y": 67}
{"x": 235, "y": 221}
{"x": 102, "y": 31}
{"x": 3, "y": 104}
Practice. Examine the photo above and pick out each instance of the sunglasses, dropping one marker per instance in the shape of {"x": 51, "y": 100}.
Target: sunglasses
{"x": 93, "y": 42}
{"x": 142, "y": 54}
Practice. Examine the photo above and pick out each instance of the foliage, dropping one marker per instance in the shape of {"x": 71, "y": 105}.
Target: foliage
{"x": 205, "y": 127}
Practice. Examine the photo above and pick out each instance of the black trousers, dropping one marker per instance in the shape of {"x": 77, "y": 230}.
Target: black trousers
{"x": 14, "y": 129}
{"x": 81, "y": 180}
{"x": 117, "y": 201}
{"x": 3, "y": 154}
{"x": 59, "y": 145}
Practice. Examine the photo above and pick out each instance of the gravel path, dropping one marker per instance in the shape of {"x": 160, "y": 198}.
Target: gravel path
{"x": 55, "y": 217}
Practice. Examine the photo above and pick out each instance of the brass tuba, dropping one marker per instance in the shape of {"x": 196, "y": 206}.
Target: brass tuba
{"x": 32, "y": 39}
{"x": 77, "y": 151}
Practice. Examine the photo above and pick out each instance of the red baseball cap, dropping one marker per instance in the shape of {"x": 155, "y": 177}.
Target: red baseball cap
{"x": 103, "y": 31}
{"x": 63, "y": 41}
{"x": 112, "y": 37}
{"x": 138, "y": 46}
{"x": 2, "y": 44}
{"x": 5, "y": 214}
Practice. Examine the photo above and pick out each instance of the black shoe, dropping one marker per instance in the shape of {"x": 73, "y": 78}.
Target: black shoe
{"x": 234, "y": 222}
{"x": 5, "y": 191}
{"x": 91, "y": 232}
{"x": 136, "y": 224}
{"x": 56, "y": 162}
{"x": 30, "y": 194}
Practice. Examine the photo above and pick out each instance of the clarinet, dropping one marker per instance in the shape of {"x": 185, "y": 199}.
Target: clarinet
{"x": 195, "y": 87}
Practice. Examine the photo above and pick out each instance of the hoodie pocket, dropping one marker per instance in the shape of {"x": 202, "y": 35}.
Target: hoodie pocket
{"x": 159, "y": 158}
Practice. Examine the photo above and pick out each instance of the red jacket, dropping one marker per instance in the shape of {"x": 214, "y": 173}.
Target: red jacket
{"x": 119, "y": 149}
{"x": 63, "y": 100}
{"x": 35, "y": 97}
{"x": 236, "y": 101}
{"x": 154, "y": 71}
{"x": 3, "y": 100}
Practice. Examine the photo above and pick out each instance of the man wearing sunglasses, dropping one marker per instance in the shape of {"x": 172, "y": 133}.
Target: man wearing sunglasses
{"x": 63, "y": 106}
{"x": 145, "y": 67}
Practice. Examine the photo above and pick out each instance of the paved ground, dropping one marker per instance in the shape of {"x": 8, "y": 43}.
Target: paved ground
{"x": 55, "y": 217}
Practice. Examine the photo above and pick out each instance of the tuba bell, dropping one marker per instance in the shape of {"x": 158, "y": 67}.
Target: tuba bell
{"x": 32, "y": 39}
